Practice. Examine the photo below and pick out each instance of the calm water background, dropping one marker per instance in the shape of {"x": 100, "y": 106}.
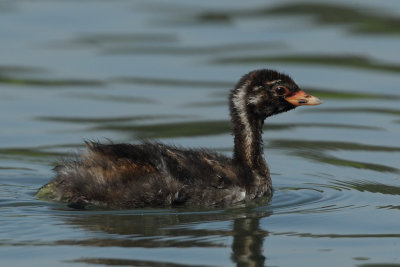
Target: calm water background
{"x": 126, "y": 70}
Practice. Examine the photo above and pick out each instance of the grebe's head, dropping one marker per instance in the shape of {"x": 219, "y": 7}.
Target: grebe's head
{"x": 267, "y": 92}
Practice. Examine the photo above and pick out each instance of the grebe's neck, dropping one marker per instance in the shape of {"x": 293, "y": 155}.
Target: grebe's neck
{"x": 247, "y": 131}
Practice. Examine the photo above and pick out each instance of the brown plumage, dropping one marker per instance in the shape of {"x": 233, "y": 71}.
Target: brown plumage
{"x": 155, "y": 175}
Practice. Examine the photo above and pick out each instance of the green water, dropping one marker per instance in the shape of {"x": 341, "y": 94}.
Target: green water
{"x": 128, "y": 70}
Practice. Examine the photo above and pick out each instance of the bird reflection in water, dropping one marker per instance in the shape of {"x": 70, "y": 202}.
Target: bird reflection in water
{"x": 173, "y": 230}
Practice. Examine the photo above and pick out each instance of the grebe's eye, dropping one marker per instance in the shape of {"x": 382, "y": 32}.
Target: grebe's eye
{"x": 281, "y": 90}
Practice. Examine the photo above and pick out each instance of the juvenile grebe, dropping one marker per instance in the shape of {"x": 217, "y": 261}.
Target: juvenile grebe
{"x": 153, "y": 174}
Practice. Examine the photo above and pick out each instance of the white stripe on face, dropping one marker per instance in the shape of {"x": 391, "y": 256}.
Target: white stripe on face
{"x": 273, "y": 82}
{"x": 254, "y": 100}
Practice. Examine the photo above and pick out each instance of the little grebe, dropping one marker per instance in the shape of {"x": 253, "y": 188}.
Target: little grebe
{"x": 153, "y": 174}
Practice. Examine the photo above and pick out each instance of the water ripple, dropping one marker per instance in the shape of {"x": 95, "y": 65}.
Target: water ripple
{"x": 349, "y": 61}
{"x": 308, "y": 200}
